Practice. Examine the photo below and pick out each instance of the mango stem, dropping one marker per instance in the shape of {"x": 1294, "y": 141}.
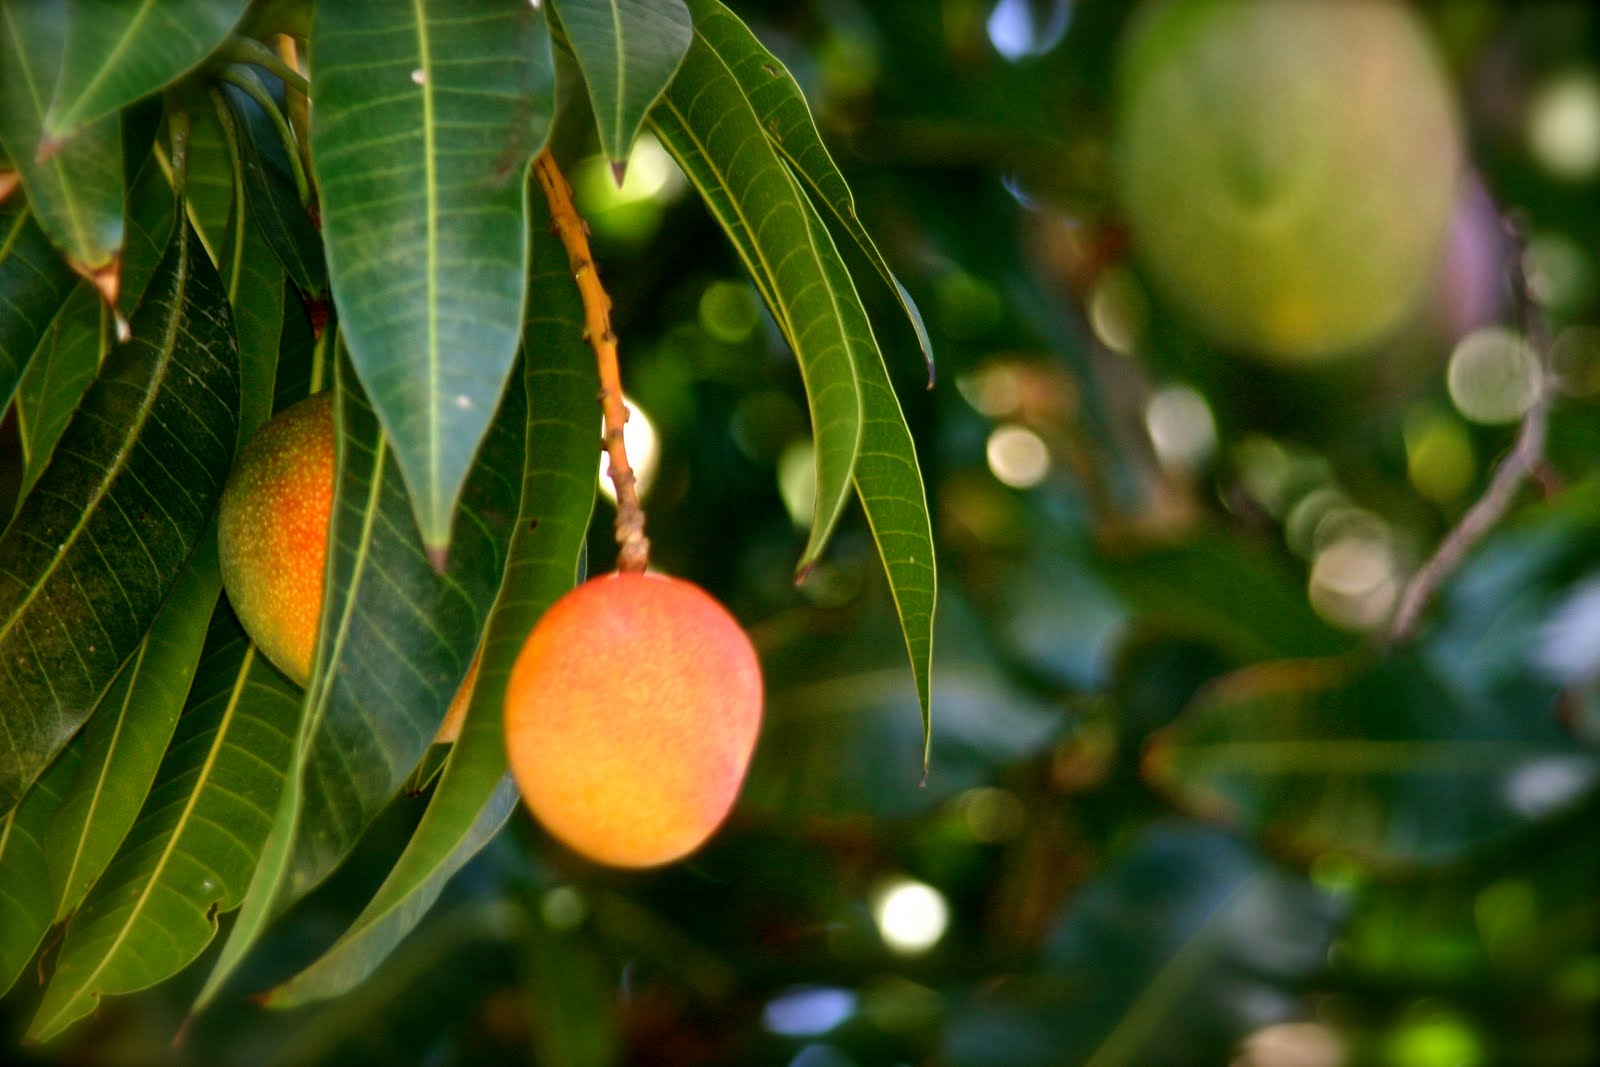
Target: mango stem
{"x": 632, "y": 544}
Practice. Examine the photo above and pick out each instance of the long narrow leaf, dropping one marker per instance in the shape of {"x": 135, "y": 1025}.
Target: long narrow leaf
{"x": 124, "y": 741}
{"x": 793, "y": 133}
{"x": 427, "y": 252}
{"x": 628, "y": 51}
{"x": 270, "y": 192}
{"x": 77, "y": 191}
{"x": 196, "y": 841}
{"x": 34, "y": 283}
{"x": 61, "y": 370}
{"x": 475, "y": 795}
{"x": 112, "y": 521}
{"x": 709, "y": 125}
{"x": 889, "y": 483}
{"x": 118, "y": 51}
{"x": 25, "y": 897}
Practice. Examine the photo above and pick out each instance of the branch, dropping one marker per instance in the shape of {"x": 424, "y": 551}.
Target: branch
{"x": 633, "y": 547}
{"x": 1525, "y": 459}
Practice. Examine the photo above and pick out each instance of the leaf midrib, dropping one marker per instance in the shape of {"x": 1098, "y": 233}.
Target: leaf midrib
{"x": 143, "y": 898}
{"x": 75, "y": 222}
{"x": 105, "y": 767}
{"x": 106, "y": 65}
{"x": 431, "y": 194}
{"x": 124, "y": 455}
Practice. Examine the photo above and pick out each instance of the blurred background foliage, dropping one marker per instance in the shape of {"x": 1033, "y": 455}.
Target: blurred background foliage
{"x": 1186, "y": 805}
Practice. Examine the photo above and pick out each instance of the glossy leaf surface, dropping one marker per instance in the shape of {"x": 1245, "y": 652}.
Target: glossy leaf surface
{"x": 117, "y": 52}
{"x": 195, "y": 842}
{"x": 123, "y": 743}
{"x": 628, "y": 51}
{"x": 34, "y": 283}
{"x": 709, "y": 125}
{"x": 105, "y": 532}
{"x": 76, "y": 192}
{"x": 427, "y": 253}
{"x": 475, "y": 796}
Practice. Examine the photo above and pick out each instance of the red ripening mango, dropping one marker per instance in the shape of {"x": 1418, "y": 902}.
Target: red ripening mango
{"x": 631, "y": 716}
{"x": 272, "y": 541}
{"x": 272, "y": 533}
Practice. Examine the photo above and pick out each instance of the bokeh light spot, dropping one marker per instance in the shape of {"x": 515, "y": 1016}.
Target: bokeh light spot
{"x": 1564, "y": 125}
{"x": 1181, "y": 428}
{"x": 1435, "y": 1038}
{"x": 1018, "y": 29}
{"x": 1493, "y": 376}
{"x": 644, "y": 447}
{"x": 1017, "y": 456}
{"x": 808, "y": 1011}
{"x": 1118, "y": 310}
{"x": 1439, "y": 456}
{"x": 911, "y": 916}
{"x": 729, "y": 311}
{"x": 563, "y": 908}
{"x": 992, "y": 815}
{"x": 1353, "y": 581}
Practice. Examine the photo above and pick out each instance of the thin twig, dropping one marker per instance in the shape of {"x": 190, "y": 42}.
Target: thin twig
{"x": 633, "y": 547}
{"x": 1523, "y": 461}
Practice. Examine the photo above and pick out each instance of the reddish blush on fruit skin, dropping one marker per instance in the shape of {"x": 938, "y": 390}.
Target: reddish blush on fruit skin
{"x": 272, "y": 532}
{"x": 631, "y": 716}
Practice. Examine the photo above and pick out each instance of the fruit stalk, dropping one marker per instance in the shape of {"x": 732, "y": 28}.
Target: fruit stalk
{"x": 632, "y": 544}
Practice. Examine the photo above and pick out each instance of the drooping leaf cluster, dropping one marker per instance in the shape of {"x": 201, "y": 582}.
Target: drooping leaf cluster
{"x": 214, "y": 208}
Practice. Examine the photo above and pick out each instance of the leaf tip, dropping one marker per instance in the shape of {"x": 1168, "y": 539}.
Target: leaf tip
{"x": 619, "y": 171}
{"x": 9, "y": 181}
{"x": 803, "y": 571}
{"x": 107, "y": 278}
{"x": 49, "y": 145}
{"x": 438, "y": 557}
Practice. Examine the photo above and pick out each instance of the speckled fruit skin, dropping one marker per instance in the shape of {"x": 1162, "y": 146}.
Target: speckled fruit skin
{"x": 1288, "y": 169}
{"x": 272, "y": 533}
{"x": 631, "y": 716}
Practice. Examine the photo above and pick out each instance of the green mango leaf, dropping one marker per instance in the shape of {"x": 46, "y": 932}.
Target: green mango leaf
{"x": 1386, "y": 762}
{"x": 77, "y": 191}
{"x": 34, "y": 283}
{"x": 628, "y": 51}
{"x": 396, "y": 635}
{"x": 61, "y": 371}
{"x": 889, "y": 482}
{"x": 119, "y": 51}
{"x": 209, "y": 187}
{"x": 152, "y": 208}
{"x": 123, "y": 743}
{"x": 792, "y": 131}
{"x": 709, "y": 125}
{"x": 128, "y": 494}
{"x": 196, "y": 841}
{"x": 274, "y": 204}
{"x": 424, "y": 117}
{"x": 476, "y": 795}
{"x": 254, "y": 278}
{"x": 389, "y": 656}
{"x": 26, "y": 902}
